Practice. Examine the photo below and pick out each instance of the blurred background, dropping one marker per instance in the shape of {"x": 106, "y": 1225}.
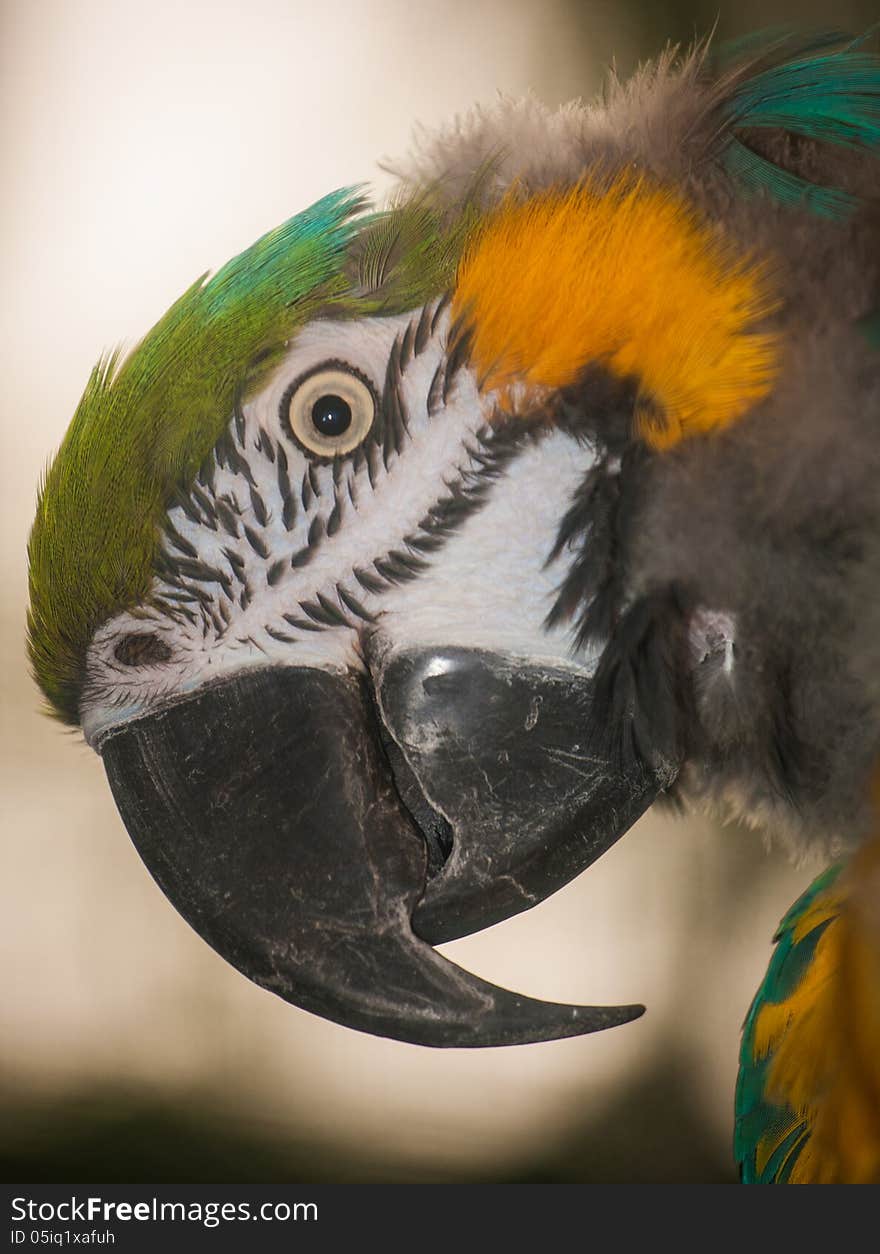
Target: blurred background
{"x": 144, "y": 144}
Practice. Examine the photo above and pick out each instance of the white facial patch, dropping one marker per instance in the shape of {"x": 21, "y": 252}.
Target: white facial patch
{"x": 434, "y": 530}
{"x": 492, "y": 588}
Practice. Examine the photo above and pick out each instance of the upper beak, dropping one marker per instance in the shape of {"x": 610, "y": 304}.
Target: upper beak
{"x": 319, "y": 828}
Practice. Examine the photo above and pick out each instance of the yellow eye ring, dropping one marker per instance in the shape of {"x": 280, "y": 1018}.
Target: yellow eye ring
{"x": 329, "y": 411}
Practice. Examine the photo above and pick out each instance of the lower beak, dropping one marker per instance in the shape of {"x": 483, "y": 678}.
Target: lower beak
{"x": 304, "y": 837}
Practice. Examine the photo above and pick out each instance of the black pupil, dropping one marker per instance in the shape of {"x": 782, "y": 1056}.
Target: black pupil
{"x": 331, "y": 415}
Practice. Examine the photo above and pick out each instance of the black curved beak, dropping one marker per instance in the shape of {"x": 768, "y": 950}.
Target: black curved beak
{"x": 275, "y": 821}
{"x": 506, "y": 754}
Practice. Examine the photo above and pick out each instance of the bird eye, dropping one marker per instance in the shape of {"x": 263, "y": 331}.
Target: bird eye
{"x": 330, "y": 411}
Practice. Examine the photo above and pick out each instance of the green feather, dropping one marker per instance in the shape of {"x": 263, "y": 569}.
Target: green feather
{"x": 757, "y": 1117}
{"x": 407, "y": 254}
{"x": 812, "y": 88}
{"x": 147, "y": 421}
{"x": 410, "y": 251}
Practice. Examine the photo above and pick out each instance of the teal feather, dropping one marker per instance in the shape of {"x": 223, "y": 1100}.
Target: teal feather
{"x": 754, "y": 173}
{"x": 815, "y": 89}
{"x": 757, "y": 1118}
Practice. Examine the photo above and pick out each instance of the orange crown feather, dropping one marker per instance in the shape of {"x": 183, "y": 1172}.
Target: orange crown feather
{"x": 628, "y": 275}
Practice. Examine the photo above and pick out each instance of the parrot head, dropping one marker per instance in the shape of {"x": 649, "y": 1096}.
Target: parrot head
{"x": 298, "y": 569}
{"x": 333, "y": 571}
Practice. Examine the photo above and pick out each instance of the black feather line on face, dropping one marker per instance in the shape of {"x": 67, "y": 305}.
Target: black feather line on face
{"x": 275, "y": 571}
{"x": 178, "y": 541}
{"x": 182, "y": 501}
{"x": 227, "y": 453}
{"x": 206, "y": 475}
{"x": 263, "y": 444}
{"x": 227, "y": 517}
{"x": 368, "y": 581}
{"x": 191, "y": 569}
{"x": 316, "y": 532}
{"x": 406, "y": 344}
{"x": 258, "y": 506}
{"x": 236, "y": 562}
{"x": 181, "y": 598}
{"x": 323, "y": 613}
{"x": 354, "y": 605}
{"x": 301, "y": 624}
{"x": 423, "y": 331}
{"x": 598, "y": 526}
{"x": 644, "y": 708}
{"x": 256, "y": 541}
{"x": 460, "y": 340}
{"x": 391, "y": 429}
{"x": 176, "y": 610}
{"x": 434, "y": 402}
{"x": 643, "y": 701}
{"x": 440, "y": 309}
{"x": 281, "y": 636}
{"x": 206, "y": 505}
{"x": 171, "y": 609}
{"x": 494, "y": 450}
{"x": 301, "y": 558}
{"x": 288, "y": 504}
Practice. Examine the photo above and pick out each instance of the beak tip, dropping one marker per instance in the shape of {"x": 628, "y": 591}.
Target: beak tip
{"x": 628, "y": 1014}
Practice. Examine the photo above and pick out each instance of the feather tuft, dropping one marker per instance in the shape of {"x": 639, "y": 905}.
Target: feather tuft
{"x": 809, "y": 87}
{"x": 628, "y": 276}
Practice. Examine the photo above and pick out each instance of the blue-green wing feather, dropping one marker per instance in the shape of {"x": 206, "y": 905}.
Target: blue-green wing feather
{"x": 758, "y": 1119}
{"x": 824, "y": 88}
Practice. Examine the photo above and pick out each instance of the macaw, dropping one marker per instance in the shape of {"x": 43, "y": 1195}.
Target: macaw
{"x": 411, "y": 556}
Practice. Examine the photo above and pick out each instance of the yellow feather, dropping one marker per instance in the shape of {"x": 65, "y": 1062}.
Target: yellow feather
{"x": 629, "y": 276}
{"x": 825, "y": 1038}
